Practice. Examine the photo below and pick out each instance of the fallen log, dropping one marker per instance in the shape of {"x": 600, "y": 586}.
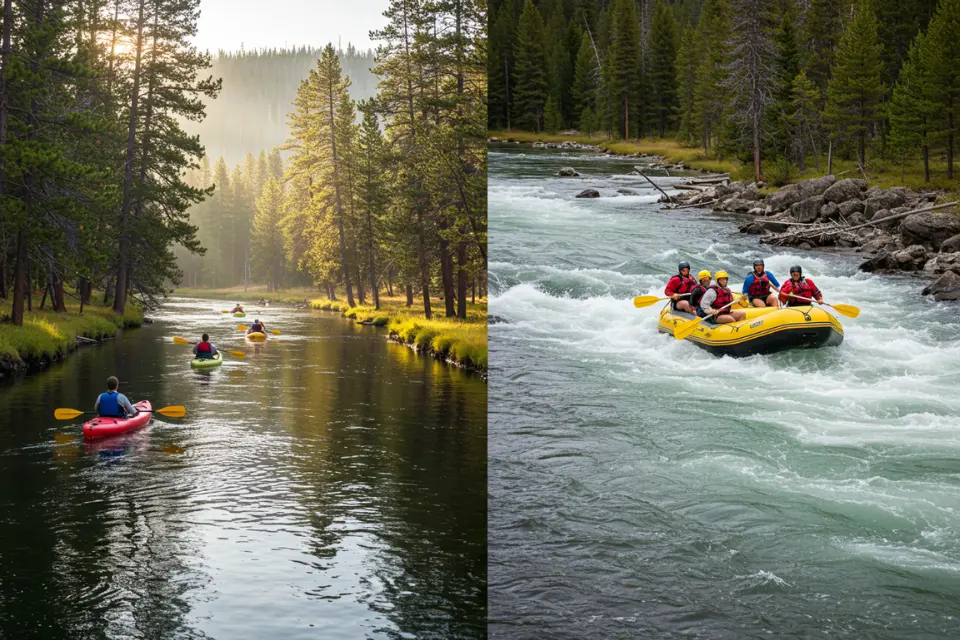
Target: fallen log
{"x": 691, "y": 206}
{"x": 669, "y": 199}
{"x": 689, "y": 187}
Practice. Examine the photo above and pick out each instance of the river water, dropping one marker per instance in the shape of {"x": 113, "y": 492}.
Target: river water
{"x": 641, "y": 487}
{"x": 330, "y": 485}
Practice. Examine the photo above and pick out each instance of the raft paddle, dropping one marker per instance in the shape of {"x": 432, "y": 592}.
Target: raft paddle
{"x": 690, "y": 326}
{"x": 243, "y": 327}
{"x": 645, "y": 301}
{"x": 235, "y": 354}
{"x": 175, "y": 411}
{"x": 843, "y": 309}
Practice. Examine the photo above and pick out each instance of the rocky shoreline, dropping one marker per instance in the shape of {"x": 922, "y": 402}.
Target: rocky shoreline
{"x": 901, "y": 230}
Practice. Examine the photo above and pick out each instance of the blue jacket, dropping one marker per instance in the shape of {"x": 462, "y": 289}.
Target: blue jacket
{"x": 753, "y": 276}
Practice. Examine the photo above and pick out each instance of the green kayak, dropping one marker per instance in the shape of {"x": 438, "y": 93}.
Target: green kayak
{"x": 239, "y": 314}
{"x": 207, "y": 363}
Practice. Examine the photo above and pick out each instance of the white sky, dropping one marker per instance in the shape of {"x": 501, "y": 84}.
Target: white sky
{"x": 226, "y": 24}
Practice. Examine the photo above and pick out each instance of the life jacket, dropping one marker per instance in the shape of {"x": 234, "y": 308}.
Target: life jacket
{"x": 680, "y": 285}
{"x": 257, "y": 328}
{"x": 204, "y": 347}
{"x": 696, "y": 295}
{"x": 803, "y": 288}
{"x": 724, "y": 298}
{"x": 110, "y": 405}
{"x": 760, "y": 287}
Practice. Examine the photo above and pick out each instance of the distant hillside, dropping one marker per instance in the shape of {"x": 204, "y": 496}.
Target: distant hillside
{"x": 250, "y": 114}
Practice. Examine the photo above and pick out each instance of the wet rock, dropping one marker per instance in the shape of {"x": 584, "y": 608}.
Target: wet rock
{"x": 751, "y": 193}
{"x": 930, "y": 229}
{"x": 736, "y": 205}
{"x": 910, "y": 259}
{"x": 806, "y": 246}
{"x": 856, "y": 218}
{"x": 588, "y": 193}
{"x": 829, "y": 211}
{"x": 568, "y": 172}
{"x": 880, "y": 262}
{"x": 951, "y": 244}
{"x": 754, "y": 228}
{"x": 806, "y": 210}
{"x": 943, "y": 262}
{"x": 946, "y": 287}
{"x": 626, "y": 192}
{"x": 732, "y": 188}
{"x": 757, "y": 211}
{"x": 843, "y": 190}
{"x": 791, "y": 194}
{"x": 878, "y": 240}
{"x": 872, "y": 192}
{"x": 850, "y": 207}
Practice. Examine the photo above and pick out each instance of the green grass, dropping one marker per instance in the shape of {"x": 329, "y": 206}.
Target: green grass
{"x": 46, "y": 335}
{"x": 463, "y": 341}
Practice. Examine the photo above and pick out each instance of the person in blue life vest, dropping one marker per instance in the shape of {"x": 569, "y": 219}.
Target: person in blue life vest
{"x": 757, "y": 286}
{"x": 680, "y": 286}
{"x": 257, "y": 327}
{"x": 716, "y": 301}
{"x": 696, "y": 295}
{"x": 204, "y": 350}
{"x": 112, "y": 404}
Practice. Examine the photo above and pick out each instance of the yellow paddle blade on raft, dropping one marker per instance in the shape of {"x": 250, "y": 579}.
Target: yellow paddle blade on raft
{"x": 175, "y": 411}
{"x": 845, "y": 309}
{"x": 687, "y": 328}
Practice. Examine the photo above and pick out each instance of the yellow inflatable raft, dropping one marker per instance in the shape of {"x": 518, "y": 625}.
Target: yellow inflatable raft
{"x": 766, "y": 330}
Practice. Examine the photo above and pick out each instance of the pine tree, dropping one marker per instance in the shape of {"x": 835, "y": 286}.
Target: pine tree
{"x": 911, "y": 111}
{"x": 266, "y": 240}
{"x": 501, "y": 63}
{"x": 624, "y": 61}
{"x": 710, "y": 94}
{"x": 803, "y": 118}
{"x": 855, "y": 90}
{"x": 551, "y": 117}
{"x": 688, "y": 60}
{"x": 822, "y": 29}
{"x": 941, "y": 50}
{"x": 787, "y": 69}
{"x": 532, "y": 83}
{"x": 663, "y": 71}
{"x": 372, "y": 194}
{"x": 584, "y": 78}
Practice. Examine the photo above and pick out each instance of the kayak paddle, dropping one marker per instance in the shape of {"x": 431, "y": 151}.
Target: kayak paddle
{"x": 235, "y": 354}
{"x": 843, "y": 309}
{"x": 243, "y": 327}
{"x": 170, "y": 412}
{"x": 690, "y": 326}
{"x": 645, "y": 301}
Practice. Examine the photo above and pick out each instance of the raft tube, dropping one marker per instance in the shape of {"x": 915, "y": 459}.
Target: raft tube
{"x": 766, "y": 330}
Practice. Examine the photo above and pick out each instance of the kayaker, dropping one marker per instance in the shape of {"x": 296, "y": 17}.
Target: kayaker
{"x": 112, "y": 404}
{"x": 696, "y": 295}
{"x": 203, "y": 349}
{"x": 257, "y": 327}
{"x": 680, "y": 286}
{"x": 237, "y": 309}
{"x": 757, "y": 286}
{"x": 799, "y": 286}
{"x": 715, "y": 299}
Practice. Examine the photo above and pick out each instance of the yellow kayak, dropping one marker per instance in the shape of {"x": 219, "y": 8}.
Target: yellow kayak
{"x": 766, "y": 330}
{"x": 256, "y": 336}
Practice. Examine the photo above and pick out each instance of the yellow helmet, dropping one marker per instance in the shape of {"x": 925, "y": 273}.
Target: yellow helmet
{"x": 721, "y": 274}
{"x": 703, "y": 274}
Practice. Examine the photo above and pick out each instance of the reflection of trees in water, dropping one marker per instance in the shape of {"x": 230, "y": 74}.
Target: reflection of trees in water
{"x": 395, "y": 451}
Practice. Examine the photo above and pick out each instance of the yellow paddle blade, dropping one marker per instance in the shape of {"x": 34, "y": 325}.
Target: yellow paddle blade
{"x": 242, "y": 327}
{"x": 645, "y": 301}
{"x": 224, "y": 311}
{"x": 172, "y": 412}
{"x": 179, "y": 340}
{"x": 274, "y": 332}
{"x": 846, "y": 310}
{"x": 237, "y": 354}
{"x": 66, "y": 414}
{"x": 65, "y": 438}
{"x": 174, "y": 449}
{"x": 686, "y": 328}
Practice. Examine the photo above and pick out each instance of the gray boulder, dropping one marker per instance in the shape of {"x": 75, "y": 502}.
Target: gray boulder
{"x": 880, "y": 262}
{"x": 843, "y": 190}
{"x": 946, "y": 287}
{"x": 931, "y": 229}
{"x": 950, "y": 245}
{"x": 872, "y": 192}
{"x": 884, "y": 200}
{"x": 943, "y": 262}
{"x": 626, "y": 192}
{"x": 850, "y": 207}
{"x": 728, "y": 189}
{"x": 568, "y": 172}
{"x": 588, "y": 193}
{"x": 829, "y": 211}
{"x": 751, "y": 193}
{"x": 737, "y": 205}
{"x": 856, "y": 218}
{"x": 910, "y": 259}
{"x": 806, "y": 210}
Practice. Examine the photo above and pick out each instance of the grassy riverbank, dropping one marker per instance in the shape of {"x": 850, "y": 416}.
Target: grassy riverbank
{"x": 462, "y": 341}
{"x": 879, "y": 171}
{"x": 47, "y": 336}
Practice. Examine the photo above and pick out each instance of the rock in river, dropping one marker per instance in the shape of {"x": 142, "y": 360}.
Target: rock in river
{"x": 588, "y": 193}
{"x": 946, "y": 287}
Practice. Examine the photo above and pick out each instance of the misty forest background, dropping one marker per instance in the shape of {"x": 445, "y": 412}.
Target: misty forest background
{"x": 779, "y": 85}
{"x": 130, "y": 161}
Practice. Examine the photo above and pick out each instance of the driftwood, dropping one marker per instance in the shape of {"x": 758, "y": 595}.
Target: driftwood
{"x": 669, "y": 199}
{"x": 714, "y": 179}
{"x": 691, "y": 206}
{"x": 85, "y": 340}
{"x": 689, "y": 187}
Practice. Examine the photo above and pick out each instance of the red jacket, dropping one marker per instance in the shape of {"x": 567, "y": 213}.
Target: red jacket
{"x": 804, "y": 288}
{"x": 680, "y": 285}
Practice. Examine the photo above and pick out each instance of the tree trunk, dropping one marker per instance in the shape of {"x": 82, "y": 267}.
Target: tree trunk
{"x": 473, "y": 296}
{"x": 372, "y": 266}
{"x": 4, "y": 62}
{"x": 626, "y": 117}
{"x": 950, "y": 144}
{"x": 60, "y": 300}
{"x": 409, "y": 295}
{"x": 830, "y": 158}
{"x": 20, "y": 284}
{"x": 462, "y": 280}
{"x": 862, "y": 150}
{"x": 446, "y": 274}
{"x": 361, "y": 290}
{"x": 390, "y": 282}
{"x": 120, "y": 296}
{"x": 756, "y": 151}
{"x": 926, "y": 163}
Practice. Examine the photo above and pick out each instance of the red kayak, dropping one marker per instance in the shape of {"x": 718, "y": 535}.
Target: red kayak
{"x": 103, "y": 427}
